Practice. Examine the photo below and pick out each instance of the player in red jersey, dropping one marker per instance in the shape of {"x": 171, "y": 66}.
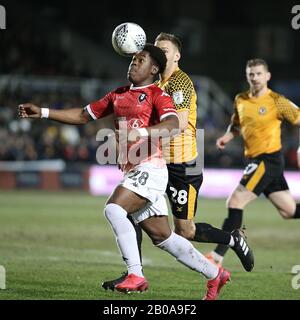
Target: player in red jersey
{"x": 146, "y": 110}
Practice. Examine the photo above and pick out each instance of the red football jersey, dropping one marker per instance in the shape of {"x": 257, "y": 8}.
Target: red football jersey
{"x": 137, "y": 107}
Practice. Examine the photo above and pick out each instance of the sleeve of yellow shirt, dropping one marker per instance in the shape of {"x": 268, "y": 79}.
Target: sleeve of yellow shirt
{"x": 181, "y": 90}
{"x": 287, "y": 110}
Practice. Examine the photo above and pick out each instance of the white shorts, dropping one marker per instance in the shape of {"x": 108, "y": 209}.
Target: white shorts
{"x": 146, "y": 180}
{"x": 158, "y": 208}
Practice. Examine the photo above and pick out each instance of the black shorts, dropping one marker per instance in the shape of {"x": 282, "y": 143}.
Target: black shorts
{"x": 183, "y": 189}
{"x": 264, "y": 174}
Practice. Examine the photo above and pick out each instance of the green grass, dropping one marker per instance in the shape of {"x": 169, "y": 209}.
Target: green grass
{"x": 59, "y": 246}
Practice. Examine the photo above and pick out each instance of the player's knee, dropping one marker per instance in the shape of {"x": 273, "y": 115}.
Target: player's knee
{"x": 113, "y": 212}
{"x": 286, "y": 214}
{"x": 228, "y": 203}
{"x": 231, "y": 202}
{"x": 108, "y": 210}
{"x": 234, "y": 202}
{"x": 158, "y": 238}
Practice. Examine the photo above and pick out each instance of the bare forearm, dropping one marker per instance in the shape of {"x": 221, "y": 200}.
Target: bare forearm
{"x": 183, "y": 117}
{"x": 230, "y": 135}
{"x": 167, "y": 127}
{"x": 233, "y": 131}
{"x": 69, "y": 116}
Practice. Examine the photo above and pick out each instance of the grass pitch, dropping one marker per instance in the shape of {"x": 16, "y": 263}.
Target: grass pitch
{"x": 59, "y": 246}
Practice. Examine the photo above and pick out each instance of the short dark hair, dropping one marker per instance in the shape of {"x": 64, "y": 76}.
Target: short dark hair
{"x": 170, "y": 37}
{"x": 257, "y": 62}
{"x": 157, "y": 55}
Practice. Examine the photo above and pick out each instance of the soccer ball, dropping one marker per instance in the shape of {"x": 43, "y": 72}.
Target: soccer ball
{"x": 128, "y": 38}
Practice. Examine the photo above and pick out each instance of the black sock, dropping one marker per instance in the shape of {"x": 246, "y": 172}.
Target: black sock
{"x": 297, "y": 212}
{"x": 139, "y": 235}
{"x": 207, "y": 233}
{"x": 232, "y": 222}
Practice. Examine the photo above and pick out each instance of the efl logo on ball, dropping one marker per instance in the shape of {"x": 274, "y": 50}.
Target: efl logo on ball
{"x": 128, "y": 38}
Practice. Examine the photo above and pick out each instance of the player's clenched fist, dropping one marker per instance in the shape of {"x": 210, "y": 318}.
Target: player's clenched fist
{"x": 222, "y": 141}
{"x": 29, "y": 110}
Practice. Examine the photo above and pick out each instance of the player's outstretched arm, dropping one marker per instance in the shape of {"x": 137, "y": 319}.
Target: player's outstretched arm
{"x": 68, "y": 116}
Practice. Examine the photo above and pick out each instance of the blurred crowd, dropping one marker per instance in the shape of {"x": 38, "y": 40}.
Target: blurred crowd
{"x": 23, "y": 139}
{"x": 37, "y": 140}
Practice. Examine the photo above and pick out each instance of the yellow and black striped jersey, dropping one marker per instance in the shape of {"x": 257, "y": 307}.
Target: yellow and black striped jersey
{"x": 179, "y": 86}
{"x": 260, "y": 120}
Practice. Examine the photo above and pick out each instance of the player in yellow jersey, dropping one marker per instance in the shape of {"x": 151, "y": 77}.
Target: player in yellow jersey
{"x": 181, "y": 154}
{"x": 258, "y": 114}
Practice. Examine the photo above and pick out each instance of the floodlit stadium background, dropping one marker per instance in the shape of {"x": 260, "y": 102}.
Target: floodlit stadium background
{"x": 59, "y": 54}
